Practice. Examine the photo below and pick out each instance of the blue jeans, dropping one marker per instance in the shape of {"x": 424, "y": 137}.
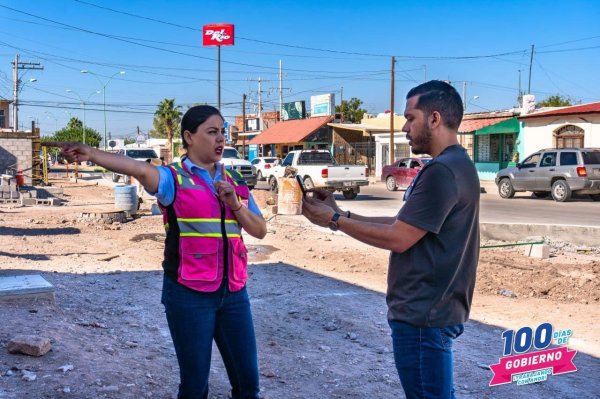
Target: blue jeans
{"x": 423, "y": 359}
{"x": 195, "y": 319}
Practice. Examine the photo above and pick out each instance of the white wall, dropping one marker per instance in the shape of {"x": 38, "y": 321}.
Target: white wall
{"x": 539, "y": 133}
{"x": 384, "y": 138}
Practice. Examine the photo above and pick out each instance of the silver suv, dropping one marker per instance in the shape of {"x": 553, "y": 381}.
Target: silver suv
{"x": 559, "y": 172}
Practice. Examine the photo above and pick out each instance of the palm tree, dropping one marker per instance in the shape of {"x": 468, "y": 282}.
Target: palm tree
{"x": 169, "y": 116}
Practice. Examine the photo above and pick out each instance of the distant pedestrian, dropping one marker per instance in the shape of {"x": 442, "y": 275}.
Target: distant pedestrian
{"x": 434, "y": 243}
{"x": 204, "y": 293}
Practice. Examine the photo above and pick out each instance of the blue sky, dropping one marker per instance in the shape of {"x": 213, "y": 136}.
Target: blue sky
{"x": 324, "y": 46}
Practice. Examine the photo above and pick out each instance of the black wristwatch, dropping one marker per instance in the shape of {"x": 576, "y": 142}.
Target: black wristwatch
{"x": 333, "y": 223}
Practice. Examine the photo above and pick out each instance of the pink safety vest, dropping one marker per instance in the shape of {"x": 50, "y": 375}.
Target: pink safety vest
{"x": 201, "y": 249}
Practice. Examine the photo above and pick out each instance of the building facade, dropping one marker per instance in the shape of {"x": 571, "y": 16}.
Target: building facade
{"x": 4, "y": 113}
{"x": 575, "y": 126}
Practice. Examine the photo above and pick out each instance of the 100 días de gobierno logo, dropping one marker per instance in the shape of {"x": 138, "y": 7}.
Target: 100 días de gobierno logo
{"x": 526, "y": 359}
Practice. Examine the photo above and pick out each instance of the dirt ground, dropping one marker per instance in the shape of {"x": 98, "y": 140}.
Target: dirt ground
{"x": 318, "y": 303}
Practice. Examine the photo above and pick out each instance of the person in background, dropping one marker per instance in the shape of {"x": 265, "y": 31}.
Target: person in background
{"x": 205, "y": 207}
{"x": 434, "y": 243}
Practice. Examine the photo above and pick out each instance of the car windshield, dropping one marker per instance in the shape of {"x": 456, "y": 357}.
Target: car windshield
{"x": 591, "y": 157}
{"x": 270, "y": 160}
{"x": 141, "y": 154}
{"x": 231, "y": 153}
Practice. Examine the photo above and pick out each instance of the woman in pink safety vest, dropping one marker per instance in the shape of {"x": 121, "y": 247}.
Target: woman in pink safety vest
{"x": 204, "y": 208}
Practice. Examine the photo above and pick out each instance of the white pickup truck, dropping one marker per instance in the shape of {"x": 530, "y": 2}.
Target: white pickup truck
{"x": 232, "y": 159}
{"x": 318, "y": 169}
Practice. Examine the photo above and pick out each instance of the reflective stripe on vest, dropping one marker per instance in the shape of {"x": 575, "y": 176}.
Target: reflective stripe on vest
{"x": 202, "y": 227}
{"x": 183, "y": 178}
{"x": 231, "y": 177}
{"x": 208, "y": 227}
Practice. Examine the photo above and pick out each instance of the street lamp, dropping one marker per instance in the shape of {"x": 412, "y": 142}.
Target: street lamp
{"x": 83, "y": 103}
{"x": 50, "y": 114}
{"x": 33, "y": 119}
{"x": 103, "y": 94}
{"x": 16, "y": 102}
{"x": 470, "y": 101}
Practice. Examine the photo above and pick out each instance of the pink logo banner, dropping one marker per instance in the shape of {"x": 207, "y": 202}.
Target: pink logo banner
{"x": 560, "y": 360}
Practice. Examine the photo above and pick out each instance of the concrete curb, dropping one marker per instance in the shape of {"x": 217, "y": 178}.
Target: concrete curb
{"x": 578, "y": 235}
{"x": 512, "y": 232}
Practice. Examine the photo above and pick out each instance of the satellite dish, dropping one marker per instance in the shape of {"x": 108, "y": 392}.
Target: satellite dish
{"x": 112, "y": 144}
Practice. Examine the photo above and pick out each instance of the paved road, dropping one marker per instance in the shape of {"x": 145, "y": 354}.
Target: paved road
{"x": 521, "y": 209}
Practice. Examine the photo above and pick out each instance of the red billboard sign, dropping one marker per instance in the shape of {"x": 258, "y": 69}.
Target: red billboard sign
{"x": 217, "y": 35}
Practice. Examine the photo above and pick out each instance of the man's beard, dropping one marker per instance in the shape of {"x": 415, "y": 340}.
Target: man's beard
{"x": 421, "y": 144}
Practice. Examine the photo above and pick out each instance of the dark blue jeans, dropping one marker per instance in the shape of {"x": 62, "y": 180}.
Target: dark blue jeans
{"x": 195, "y": 319}
{"x": 424, "y": 359}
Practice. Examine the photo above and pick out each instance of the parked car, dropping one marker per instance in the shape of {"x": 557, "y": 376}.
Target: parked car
{"x": 232, "y": 159}
{"x": 402, "y": 172}
{"x": 318, "y": 168}
{"x": 261, "y": 166}
{"x": 139, "y": 154}
{"x": 559, "y": 172}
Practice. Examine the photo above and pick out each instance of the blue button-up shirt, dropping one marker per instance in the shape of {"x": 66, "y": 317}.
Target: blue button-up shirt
{"x": 166, "y": 184}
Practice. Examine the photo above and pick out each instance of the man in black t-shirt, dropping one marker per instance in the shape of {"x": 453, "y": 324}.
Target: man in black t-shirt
{"x": 434, "y": 243}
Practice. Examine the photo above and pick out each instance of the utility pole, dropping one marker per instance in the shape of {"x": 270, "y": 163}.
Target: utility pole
{"x": 520, "y": 96}
{"x": 530, "y": 64}
{"x": 243, "y": 125}
{"x": 15, "y": 92}
{"x": 280, "y": 90}
{"x": 342, "y": 103}
{"x": 259, "y": 111}
{"x": 465, "y": 96}
{"x": 392, "y": 147}
{"x": 17, "y": 85}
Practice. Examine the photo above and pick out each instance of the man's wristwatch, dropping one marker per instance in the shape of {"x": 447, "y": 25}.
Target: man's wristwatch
{"x": 333, "y": 223}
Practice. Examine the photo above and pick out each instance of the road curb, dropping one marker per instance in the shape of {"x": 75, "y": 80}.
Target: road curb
{"x": 578, "y": 235}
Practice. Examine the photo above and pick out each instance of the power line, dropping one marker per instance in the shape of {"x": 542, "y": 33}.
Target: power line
{"x": 329, "y": 50}
{"x": 130, "y": 41}
{"x": 571, "y": 41}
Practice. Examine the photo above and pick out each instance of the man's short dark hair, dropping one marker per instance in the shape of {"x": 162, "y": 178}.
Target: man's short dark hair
{"x": 439, "y": 96}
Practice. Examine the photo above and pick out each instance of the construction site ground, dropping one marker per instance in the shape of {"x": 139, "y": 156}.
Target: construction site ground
{"x": 318, "y": 300}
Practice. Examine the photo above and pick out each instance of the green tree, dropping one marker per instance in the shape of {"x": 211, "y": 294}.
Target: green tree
{"x": 158, "y": 130}
{"x": 74, "y": 132}
{"x": 168, "y": 116}
{"x": 555, "y": 101}
{"x": 351, "y": 110}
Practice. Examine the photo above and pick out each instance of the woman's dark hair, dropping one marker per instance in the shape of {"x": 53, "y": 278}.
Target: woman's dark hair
{"x": 439, "y": 96}
{"x": 194, "y": 117}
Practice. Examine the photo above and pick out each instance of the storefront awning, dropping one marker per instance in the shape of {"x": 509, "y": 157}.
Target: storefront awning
{"x": 291, "y": 132}
{"x": 365, "y": 128}
{"x": 471, "y": 125}
{"x": 509, "y": 126}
